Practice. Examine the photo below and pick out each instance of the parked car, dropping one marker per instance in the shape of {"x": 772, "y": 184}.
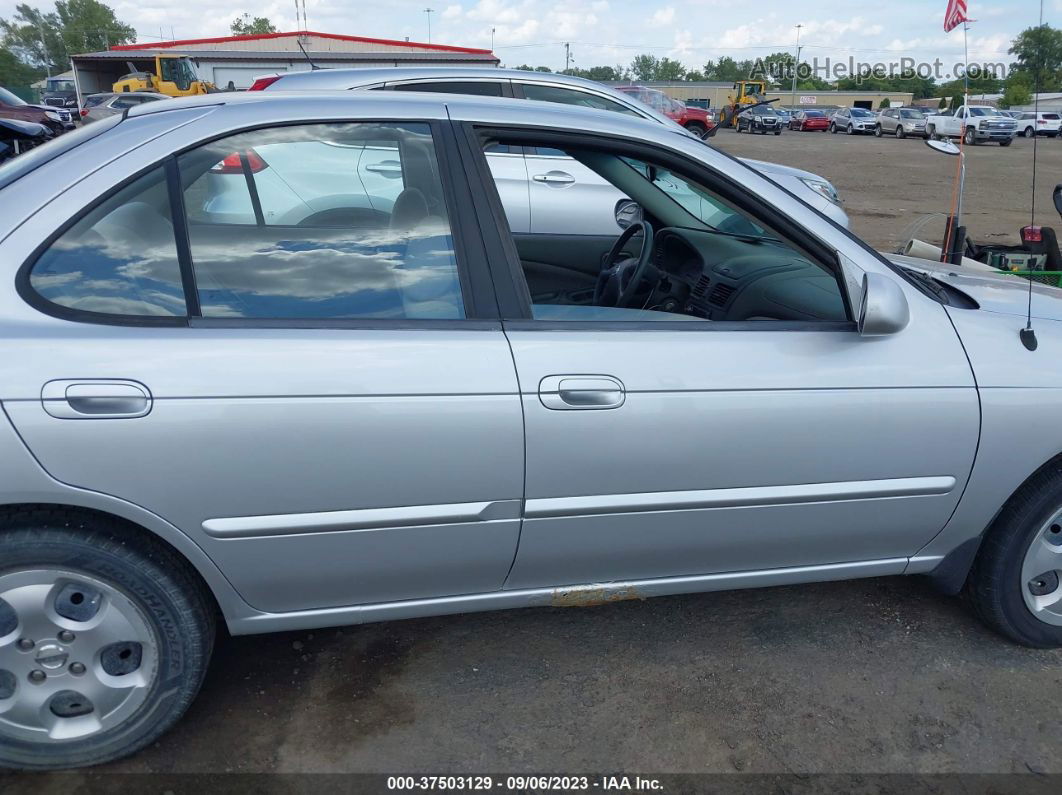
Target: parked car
{"x": 784, "y": 115}
{"x": 697, "y": 120}
{"x": 543, "y": 87}
{"x": 99, "y": 106}
{"x": 18, "y": 136}
{"x": 853, "y": 121}
{"x": 855, "y": 417}
{"x": 901, "y": 122}
{"x": 1030, "y": 124}
{"x": 12, "y": 106}
{"x": 809, "y": 121}
{"x": 60, "y": 92}
{"x": 975, "y": 124}
{"x": 760, "y": 119}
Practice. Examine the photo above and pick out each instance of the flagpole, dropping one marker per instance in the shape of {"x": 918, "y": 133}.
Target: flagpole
{"x": 966, "y": 103}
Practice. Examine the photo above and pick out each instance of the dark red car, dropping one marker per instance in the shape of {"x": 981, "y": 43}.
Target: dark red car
{"x": 696, "y": 120}
{"x": 57, "y": 120}
{"x": 809, "y": 120}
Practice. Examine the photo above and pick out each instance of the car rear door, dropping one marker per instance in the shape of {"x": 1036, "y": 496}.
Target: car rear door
{"x": 328, "y": 408}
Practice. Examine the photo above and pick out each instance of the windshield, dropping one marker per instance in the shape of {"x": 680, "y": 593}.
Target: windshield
{"x": 811, "y": 114}
{"x": 979, "y": 112}
{"x": 9, "y": 99}
{"x": 860, "y": 112}
{"x": 911, "y": 114}
{"x": 61, "y": 85}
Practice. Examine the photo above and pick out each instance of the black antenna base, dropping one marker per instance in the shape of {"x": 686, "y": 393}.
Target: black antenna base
{"x": 1028, "y": 338}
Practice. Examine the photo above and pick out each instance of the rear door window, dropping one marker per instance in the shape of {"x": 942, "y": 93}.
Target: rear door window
{"x": 321, "y": 221}
{"x": 482, "y": 88}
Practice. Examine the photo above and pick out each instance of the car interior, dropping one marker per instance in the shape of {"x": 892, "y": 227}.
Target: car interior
{"x": 680, "y": 253}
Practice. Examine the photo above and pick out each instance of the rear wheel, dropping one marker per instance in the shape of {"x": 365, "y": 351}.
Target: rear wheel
{"x": 1015, "y": 583}
{"x": 833, "y": 128}
{"x": 104, "y": 639}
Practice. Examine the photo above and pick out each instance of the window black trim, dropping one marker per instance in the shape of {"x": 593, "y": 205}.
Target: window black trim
{"x": 478, "y": 135}
{"x": 680, "y": 325}
{"x": 252, "y": 190}
{"x": 479, "y": 304}
{"x": 180, "y": 235}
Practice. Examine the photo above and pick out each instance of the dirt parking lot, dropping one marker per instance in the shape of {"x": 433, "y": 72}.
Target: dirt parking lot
{"x": 876, "y": 676}
{"x": 887, "y": 185}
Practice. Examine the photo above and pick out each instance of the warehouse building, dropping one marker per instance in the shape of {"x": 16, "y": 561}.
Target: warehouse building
{"x": 714, "y": 95}
{"x": 234, "y": 61}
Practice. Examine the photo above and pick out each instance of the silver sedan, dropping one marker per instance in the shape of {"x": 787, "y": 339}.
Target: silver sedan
{"x": 373, "y": 398}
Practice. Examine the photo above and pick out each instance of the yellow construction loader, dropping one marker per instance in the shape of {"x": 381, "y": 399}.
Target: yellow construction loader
{"x": 174, "y": 76}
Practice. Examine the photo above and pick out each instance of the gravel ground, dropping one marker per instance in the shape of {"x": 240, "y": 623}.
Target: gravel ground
{"x": 876, "y": 676}
{"x": 887, "y": 185}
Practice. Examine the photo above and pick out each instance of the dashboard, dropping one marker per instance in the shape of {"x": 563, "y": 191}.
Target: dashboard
{"x": 722, "y": 276}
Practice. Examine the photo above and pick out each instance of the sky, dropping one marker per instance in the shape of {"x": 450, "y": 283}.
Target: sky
{"x": 614, "y": 31}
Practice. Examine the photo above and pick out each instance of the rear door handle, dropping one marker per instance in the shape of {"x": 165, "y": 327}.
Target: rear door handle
{"x": 95, "y": 399}
{"x": 586, "y": 392}
{"x": 558, "y": 178}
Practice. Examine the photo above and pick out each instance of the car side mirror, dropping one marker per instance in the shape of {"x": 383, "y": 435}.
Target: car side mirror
{"x": 1058, "y": 198}
{"x": 883, "y": 309}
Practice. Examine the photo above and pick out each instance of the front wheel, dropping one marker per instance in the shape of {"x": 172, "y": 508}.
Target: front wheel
{"x": 850, "y": 130}
{"x": 833, "y": 129}
{"x": 1006, "y": 142}
{"x": 1015, "y": 581}
{"x": 877, "y": 131}
{"x": 777, "y": 132}
{"x": 970, "y": 136}
{"x": 697, "y": 128}
{"x": 105, "y": 637}
{"x": 900, "y": 133}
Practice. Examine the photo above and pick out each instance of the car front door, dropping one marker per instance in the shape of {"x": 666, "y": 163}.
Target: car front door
{"x": 754, "y": 429}
{"x": 325, "y": 406}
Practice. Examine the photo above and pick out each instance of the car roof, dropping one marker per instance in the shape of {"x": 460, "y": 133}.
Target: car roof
{"x": 410, "y": 105}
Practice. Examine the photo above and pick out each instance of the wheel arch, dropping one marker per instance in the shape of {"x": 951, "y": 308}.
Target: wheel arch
{"x": 139, "y": 521}
{"x": 950, "y": 575}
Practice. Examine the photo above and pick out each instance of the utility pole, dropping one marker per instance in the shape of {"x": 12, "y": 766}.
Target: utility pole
{"x": 44, "y": 46}
{"x": 492, "y": 39}
{"x": 567, "y": 55}
{"x": 796, "y": 68}
{"x": 429, "y": 11}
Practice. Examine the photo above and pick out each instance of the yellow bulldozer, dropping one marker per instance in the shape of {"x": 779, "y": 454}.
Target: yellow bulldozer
{"x": 174, "y": 76}
{"x": 746, "y": 94}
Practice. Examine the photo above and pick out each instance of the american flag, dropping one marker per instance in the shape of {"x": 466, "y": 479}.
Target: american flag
{"x": 955, "y": 14}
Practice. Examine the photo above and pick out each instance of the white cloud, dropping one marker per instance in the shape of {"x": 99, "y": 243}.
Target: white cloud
{"x": 663, "y": 17}
{"x": 452, "y": 12}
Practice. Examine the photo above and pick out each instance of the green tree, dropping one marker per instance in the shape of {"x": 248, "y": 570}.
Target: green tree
{"x": 943, "y": 104}
{"x": 727, "y": 70}
{"x": 246, "y": 26}
{"x": 15, "y": 73}
{"x": 602, "y": 74}
{"x": 957, "y": 100}
{"x": 885, "y": 103}
{"x": 668, "y": 69}
{"x": 526, "y": 68}
{"x": 645, "y": 67}
{"x": 1018, "y": 91}
{"x": 978, "y": 85}
{"x": 46, "y": 40}
{"x": 1038, "y": 53}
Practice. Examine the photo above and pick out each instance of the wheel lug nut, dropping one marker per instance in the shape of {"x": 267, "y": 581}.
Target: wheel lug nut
{"x": 66, "y": 636}
{"x": 25, "y": 644}
{"x": 37, "y": 676}
{"x": 77, "y": 668}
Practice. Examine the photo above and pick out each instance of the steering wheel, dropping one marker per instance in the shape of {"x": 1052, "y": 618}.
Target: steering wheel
{"x": 617, "y": 282}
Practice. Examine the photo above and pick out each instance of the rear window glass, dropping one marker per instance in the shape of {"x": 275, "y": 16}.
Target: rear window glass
{"x": 98, "y": 99}
{"x": 1051, "y": 116}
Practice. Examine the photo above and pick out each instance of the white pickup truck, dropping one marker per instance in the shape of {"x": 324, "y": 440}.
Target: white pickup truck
{"x": 974, "y": 124}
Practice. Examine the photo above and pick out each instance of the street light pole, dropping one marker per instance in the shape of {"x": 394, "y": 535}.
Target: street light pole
{"x": 796, "y": 68}
{"x": 429, "y": 11}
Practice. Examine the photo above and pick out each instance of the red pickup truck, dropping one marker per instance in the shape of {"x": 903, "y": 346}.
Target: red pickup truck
{"x": 696, "y": 120}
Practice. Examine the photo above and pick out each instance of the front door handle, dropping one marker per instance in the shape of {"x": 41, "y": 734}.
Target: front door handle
{"x": 557, "y": 179}
{"x": 586, "y": 392}
{"x": 388, "y": 168}
{"x": 95, "y": 399}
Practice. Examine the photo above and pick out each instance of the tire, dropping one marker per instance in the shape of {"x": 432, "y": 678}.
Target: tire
{"x": 1028, "y": 132}
{"x": 833, "y": 129}
{"x": 850, "y": 130}
{"x": 697, "y": 128}
{"x": 877, "y": 131}
{"x": 777, "y": 132}
{"x": 1006, "y": 142}
{"x": 899, "y": 132}
{"x": 970, "y": 136}
{"x": 931, "y": 132}
{"x": 995, "y": 584}
{"x": 145, "y": 583}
